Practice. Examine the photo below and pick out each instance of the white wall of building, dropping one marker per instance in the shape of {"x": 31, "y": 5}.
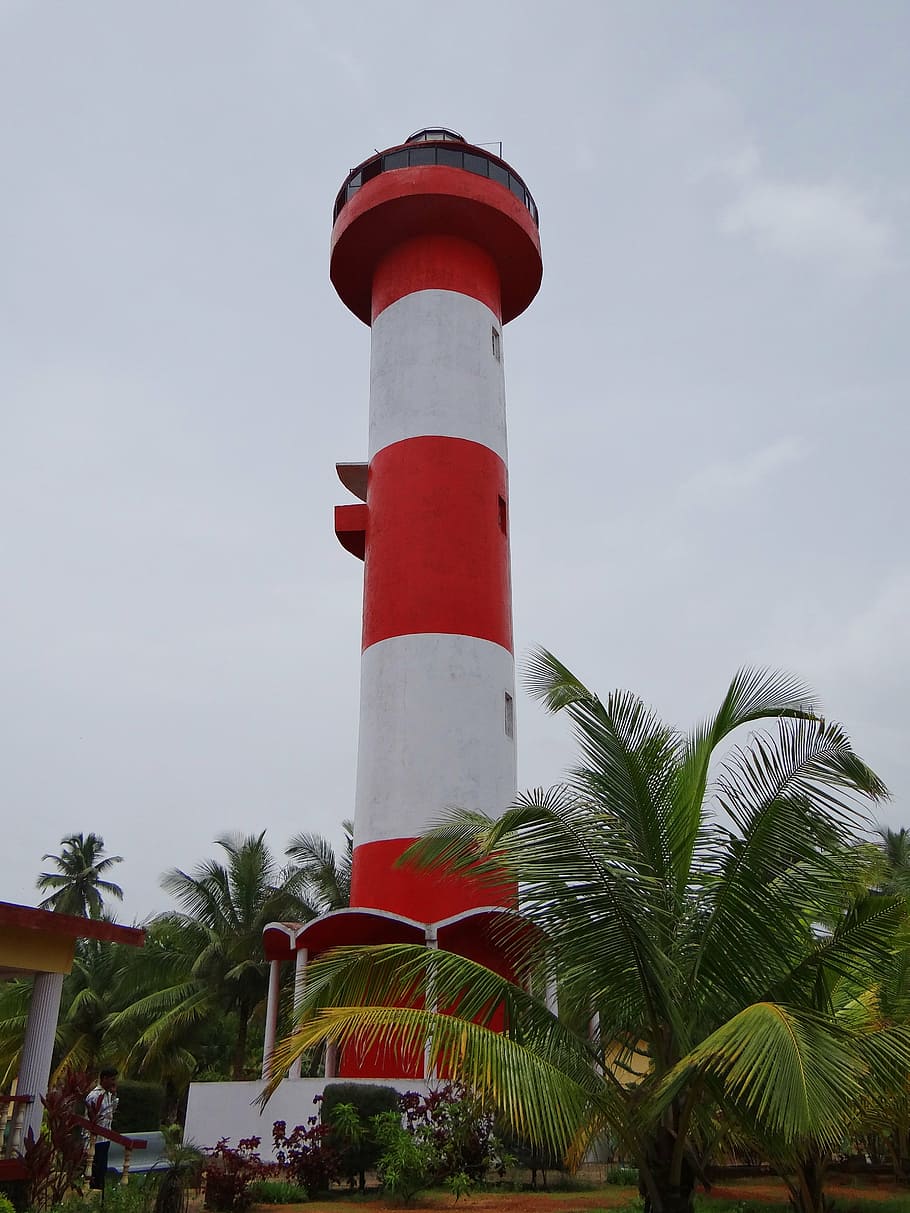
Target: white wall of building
{"x": 229, "y": 1109}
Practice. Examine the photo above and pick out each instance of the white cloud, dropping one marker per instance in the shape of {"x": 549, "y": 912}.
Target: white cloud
{"x": 809, "y": 221}
{"x": 874, "y": 645}
{"x": 732, "y": 477}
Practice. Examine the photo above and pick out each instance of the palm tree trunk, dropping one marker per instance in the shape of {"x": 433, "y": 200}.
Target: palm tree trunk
{"x": 667, "y": 1192}
{"x": 807, "y": 1194}
{"x": 238, "y": 1065}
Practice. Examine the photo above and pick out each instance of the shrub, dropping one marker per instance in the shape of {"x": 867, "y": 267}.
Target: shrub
{"x": 626, "y": 1177}
{"x": 6, "y": 1205}
{"x": 229, "y": 1174}
{"x": 407, "y": 1160}
{"x": 140, "y": 1106}
{"x": 458, "y": 1128}
{"x": 277, "y": 1192}
{"x": 348, "y": 1108}
{"x": 307, "y": 1153}
{"x": 55, "y": 1161}
{"x": 460, "y": 1185}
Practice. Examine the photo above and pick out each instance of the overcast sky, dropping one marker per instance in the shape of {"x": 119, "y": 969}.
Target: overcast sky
{"x": 708, "y": 402}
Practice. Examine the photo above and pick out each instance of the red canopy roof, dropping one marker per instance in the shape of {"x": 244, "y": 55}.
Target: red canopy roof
{"x": 31, "y": 919}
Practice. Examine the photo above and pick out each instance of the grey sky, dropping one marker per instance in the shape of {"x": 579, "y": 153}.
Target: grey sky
{"x": 707, "y": 401}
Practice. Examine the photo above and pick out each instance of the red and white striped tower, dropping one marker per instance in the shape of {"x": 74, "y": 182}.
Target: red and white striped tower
{"x": 435, "y": 246}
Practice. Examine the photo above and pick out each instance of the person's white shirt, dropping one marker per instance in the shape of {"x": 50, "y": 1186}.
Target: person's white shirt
{"x": 101, "y": 1105}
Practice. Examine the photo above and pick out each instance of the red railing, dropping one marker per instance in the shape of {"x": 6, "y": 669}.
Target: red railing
{"x": 129, "y": 1144}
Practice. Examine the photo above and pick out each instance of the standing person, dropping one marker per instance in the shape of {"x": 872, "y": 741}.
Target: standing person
{"x": 101, "y": 1104}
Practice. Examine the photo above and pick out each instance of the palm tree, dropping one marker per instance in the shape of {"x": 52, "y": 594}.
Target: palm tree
{"x": 205, "y": 962}
{"x": 93, "y": 990}
{"x": 326, "y": 877}
{"x": 895, "y": 855}
{"x": 77, "y": 884}
{"x": 678, "y": 882}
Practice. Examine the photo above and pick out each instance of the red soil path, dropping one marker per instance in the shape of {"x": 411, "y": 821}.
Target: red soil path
{"x": 768, "y": 1190}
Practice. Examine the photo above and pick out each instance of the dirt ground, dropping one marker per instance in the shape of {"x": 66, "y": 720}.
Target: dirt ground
{"x": 765, "y": 1190}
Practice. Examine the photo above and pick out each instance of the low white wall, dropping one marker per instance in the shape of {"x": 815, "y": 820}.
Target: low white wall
{"x": 228, "y": 1109}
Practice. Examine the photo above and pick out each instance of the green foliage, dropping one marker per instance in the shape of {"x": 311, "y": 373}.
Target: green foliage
{"x": 204, "y": 963}
{"x": 76, "y": 887}
{"x": 6, "y": 1205}
{"x": 406, "y": 1161}
{"x": 459, "y": 1130}
{"x": 138, "y": 1196}
{"x": 140, "y": 1106}
{"x": 624, "y": 1177}
{"x": 697, "y": 899}
{"x": 324, "y": 877}
{"x": 348, "y": 1108}
{"x": 172, "y": 1196}
{"x": 460, "y": 1185}
{"x": 277, "y": 1192}
{"x": 55, "y": 1159}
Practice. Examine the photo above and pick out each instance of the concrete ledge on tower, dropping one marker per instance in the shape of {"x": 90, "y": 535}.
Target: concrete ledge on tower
{"x": 354, "y": 478}
{"x": 416, "y": 203}
{"x": 351, "y": 528}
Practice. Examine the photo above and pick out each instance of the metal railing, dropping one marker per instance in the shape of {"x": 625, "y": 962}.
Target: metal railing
{"x": 13, "y": 1109}
{"x": 416, "y": 155}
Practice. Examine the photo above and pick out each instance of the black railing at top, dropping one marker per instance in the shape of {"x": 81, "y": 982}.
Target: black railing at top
{"x": 471, "y": 159}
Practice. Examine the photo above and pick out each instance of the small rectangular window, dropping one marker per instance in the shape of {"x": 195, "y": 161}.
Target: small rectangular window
{"x": 396, "y": 159}
{"x": 497, "y": 344}
{"x": 503, "y": 516}
{"x": 509, "y": 716}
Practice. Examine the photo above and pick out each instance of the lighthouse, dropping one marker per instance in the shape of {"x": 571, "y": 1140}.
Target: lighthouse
{"x": 435, "y": 246}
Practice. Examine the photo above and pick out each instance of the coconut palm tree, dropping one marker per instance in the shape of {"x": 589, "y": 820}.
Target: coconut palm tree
{"x": 894, "y": 848}
{"x": 678, "y": 881}
{"x": 326, "y": 877}
{"x": 93, "y": 991}
{"x": 205, "y": 962}
{"x": 77, "y": 884}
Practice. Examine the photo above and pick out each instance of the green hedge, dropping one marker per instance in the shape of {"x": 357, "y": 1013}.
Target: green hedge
{"x": 140, "y": 1107}
{"x": 369, "y": 1099}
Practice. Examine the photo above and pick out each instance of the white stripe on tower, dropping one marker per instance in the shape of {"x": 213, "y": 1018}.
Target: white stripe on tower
{"x": 432, "y": 733}
{"x": 433, "y": 370}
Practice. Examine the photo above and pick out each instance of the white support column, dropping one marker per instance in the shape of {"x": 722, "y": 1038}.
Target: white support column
{"x": 331, "y": 1061}
{"x": 271, "y": 1016}
{"x": 300, "y": 964}
{"x": 38, "y": 1046}
{"x": 432, "y": 1002}
{"x": 594, "y": 1036}
{"x": 552, "y": 992}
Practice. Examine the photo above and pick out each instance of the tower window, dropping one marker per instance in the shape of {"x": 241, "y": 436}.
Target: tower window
{"x": 503, "y": 516}
{"x": 509, "y": 715}
{"x": 497, "y": 344}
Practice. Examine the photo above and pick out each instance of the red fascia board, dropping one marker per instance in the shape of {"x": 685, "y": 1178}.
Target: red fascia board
{"x": 128, "y": 1143}
{"x": 29, "y": 918}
